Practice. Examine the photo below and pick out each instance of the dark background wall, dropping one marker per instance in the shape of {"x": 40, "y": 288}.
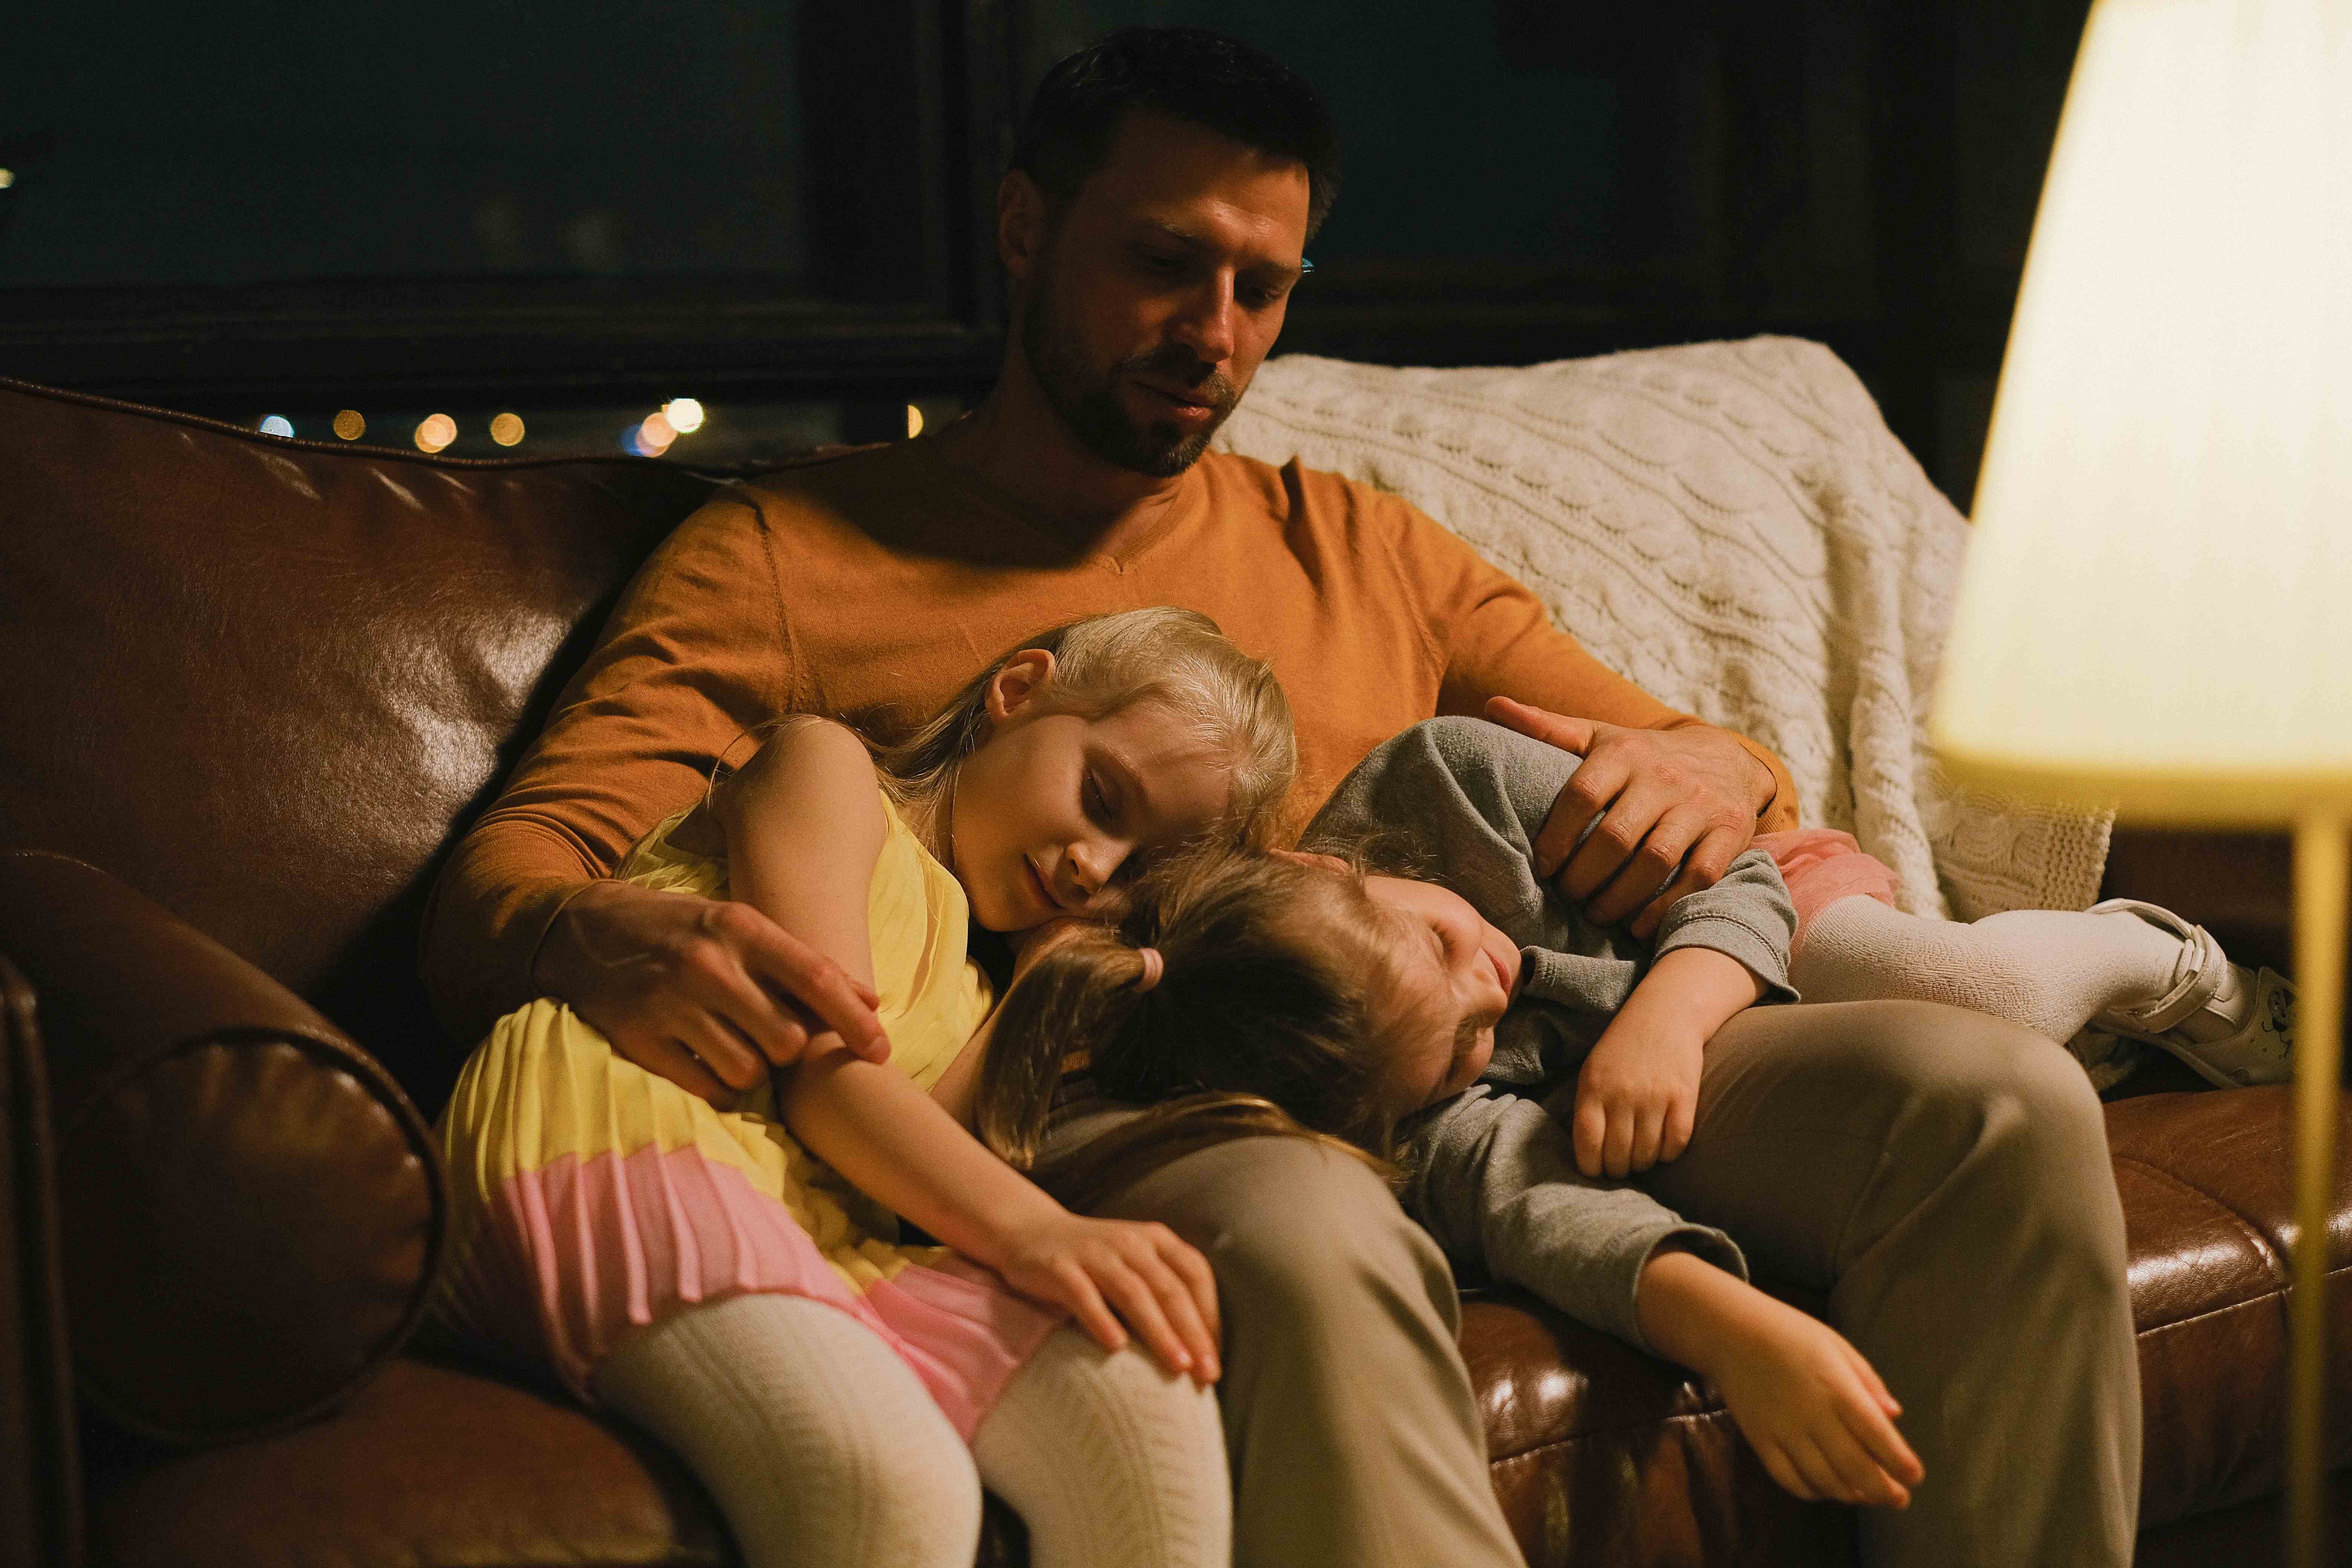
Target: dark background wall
{"x": 575, "y": 207}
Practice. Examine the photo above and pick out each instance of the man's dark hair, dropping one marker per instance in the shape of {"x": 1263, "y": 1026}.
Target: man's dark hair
{"x": 1186, "y": 73}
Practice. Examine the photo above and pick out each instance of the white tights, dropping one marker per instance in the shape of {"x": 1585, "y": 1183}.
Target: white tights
{"x": 2050, "y": 970}
{"x": 823, "y": 1450}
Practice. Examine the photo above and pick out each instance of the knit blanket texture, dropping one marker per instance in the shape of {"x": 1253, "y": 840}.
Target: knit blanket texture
{"x": 1732, "y": 527}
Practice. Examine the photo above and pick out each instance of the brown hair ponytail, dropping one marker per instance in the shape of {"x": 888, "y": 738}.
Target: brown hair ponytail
{"x": 1261, "y": 1022}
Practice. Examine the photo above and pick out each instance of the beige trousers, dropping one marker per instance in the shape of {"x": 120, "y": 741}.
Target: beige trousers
{"x": 1348, "y": 1421}
{"x": 1940, "y": 1175}
{"x": 1943, "y": 1177}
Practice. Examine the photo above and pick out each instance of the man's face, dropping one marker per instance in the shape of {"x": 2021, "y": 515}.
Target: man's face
{"x": 1153, "y": 295}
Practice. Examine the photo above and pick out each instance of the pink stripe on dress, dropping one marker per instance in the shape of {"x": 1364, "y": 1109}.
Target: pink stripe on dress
{"x": 608, "y": 1245}
{"x": 1822, "y": 866}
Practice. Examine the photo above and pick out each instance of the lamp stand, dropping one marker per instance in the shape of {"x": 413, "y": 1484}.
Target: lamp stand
{"x": 2321, "y": 852}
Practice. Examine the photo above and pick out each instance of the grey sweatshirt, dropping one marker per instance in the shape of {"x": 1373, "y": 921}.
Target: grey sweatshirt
{"x": 1494, "y": 1175}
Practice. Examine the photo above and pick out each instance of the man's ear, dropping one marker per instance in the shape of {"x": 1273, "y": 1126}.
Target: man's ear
{"x": 1020, "y": 223}
{"x": 1016, "y": 681}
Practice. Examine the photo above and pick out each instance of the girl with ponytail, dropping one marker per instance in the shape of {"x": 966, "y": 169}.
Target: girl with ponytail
{"x": 1237, "y": 993}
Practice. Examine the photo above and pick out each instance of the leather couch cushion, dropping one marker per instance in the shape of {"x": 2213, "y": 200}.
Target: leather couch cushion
{"x": 427, "y": 1466}
{"x": 260, "y": 679}
{"x": 434, "y": 1467}
{"x": 2208, "y": 1204}
{"x": 1602, "y": 1455}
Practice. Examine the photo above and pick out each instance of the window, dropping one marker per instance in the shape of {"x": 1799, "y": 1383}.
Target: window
{"x": 561, "y": 199}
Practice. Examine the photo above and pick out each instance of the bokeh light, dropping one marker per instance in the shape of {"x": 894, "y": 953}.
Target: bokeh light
{"x": 436, "y": 431}
{"x": 650, "y": 437}
{"x": 684, "y": 413}
{"x": 277, "y": 425}
{"x": 350, "y": 426}
{"x": 507, "y": 429}
{"x": 914, "y": 421}
{"x": 7, "y": 178}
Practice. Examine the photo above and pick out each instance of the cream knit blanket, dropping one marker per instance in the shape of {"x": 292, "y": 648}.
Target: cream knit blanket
{"x": 1732, "y": 527}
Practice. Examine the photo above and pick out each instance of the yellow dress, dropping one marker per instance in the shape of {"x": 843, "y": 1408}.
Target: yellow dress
{"x": 590, "y": 1197}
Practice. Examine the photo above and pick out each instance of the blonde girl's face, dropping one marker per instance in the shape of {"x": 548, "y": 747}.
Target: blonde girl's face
{"x": 1054, "y": 806}
{"x": 1451, "y": 975}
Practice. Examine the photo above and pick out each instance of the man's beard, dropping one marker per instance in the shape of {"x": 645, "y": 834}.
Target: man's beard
{"x": 1089, "y": 402}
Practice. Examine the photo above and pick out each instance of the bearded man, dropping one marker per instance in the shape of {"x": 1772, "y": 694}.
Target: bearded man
{"x": 1152, "y": 223}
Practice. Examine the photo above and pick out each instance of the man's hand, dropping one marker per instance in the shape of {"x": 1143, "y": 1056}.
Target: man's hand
{"x": 709, "y": 994}
{"x": 1679, "y": 804}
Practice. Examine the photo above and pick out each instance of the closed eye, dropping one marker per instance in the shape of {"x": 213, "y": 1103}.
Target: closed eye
{"x": 1098, "y": 803}
{"x": 1260, "y": 296}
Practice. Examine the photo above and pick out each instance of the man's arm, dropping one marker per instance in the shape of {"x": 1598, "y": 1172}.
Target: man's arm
{"x": 1682, "y": 797}
{"x": 697, "y": 991}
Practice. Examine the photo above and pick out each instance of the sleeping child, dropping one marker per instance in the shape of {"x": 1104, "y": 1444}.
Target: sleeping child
{"x": 1513, "y": 1062}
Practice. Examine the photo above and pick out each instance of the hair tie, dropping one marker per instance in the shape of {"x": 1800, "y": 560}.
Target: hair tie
{"x": 1154, "y": 966}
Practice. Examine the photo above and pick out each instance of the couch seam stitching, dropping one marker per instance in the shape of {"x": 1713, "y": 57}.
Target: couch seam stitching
{"x": 2244, "y": 1222}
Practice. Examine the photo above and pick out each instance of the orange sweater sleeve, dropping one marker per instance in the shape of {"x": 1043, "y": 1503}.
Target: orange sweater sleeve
{"x": 695, "y": 654}
{"x": 1498, "y": 641}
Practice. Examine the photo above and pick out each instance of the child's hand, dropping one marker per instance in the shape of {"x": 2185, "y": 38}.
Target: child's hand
{"x": 1636, "y": 1097}
{"x": 1144, "y": 1273}
{"x": 1814, "y": 1411}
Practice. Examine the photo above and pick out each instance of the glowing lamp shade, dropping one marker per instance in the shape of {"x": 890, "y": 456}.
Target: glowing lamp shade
{"x": 2156, "y": 610}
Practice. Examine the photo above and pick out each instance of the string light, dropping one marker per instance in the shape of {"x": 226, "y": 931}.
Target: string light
{"x": 684, "y": 413}
{"x": 350, "y": 426}
{"x": 507, "y": 429}
{"x": 436, "y": 431}
{"x": 914, "y": 421}
{"x": 650, "y": 437}
{"x": 277, "y": 425}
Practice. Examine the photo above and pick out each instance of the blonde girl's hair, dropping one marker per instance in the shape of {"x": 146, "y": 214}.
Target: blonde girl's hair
{"x": 1264, "y": 1020}
{"x": 1227, "y": 701}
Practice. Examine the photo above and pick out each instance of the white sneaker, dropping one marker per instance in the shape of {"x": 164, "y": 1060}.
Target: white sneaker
{"x": 2107, "y": 1060}
{"x": 2260, "y": 1049}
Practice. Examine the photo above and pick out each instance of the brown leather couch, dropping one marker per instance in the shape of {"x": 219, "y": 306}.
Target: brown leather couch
{"x": 252, "y": 689}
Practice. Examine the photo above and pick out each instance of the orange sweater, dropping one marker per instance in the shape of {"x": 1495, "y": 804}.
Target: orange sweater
{"x": 886, "y": 579}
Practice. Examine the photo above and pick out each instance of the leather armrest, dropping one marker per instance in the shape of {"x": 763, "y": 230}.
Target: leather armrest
{"x": 250, "y": 1210}
{"x": 40, "y": 1495}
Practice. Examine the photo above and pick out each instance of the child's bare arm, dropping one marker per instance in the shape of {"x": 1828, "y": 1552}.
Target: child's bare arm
{"x": 1637, "y": 1094}
{"x": 1811, "y": 1407}
{"x": 803, "y": 825}
{"x": 902, "y": 1148}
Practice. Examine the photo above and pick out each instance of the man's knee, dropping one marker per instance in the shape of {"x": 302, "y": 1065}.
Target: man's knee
{"x": 1980, "y": 1078}
{"x": 1298, "y": 1234}
{"x": 2008, "y": 1119}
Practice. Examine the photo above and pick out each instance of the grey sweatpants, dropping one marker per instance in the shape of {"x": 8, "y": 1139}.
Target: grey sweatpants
{"x": 1940, "y": 1175}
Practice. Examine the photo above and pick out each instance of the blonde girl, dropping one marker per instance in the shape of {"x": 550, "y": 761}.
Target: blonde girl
{"x": 736, "y": 1282}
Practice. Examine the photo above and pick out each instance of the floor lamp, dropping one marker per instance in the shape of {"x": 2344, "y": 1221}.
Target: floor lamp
{"x": 2157, "y": 608}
